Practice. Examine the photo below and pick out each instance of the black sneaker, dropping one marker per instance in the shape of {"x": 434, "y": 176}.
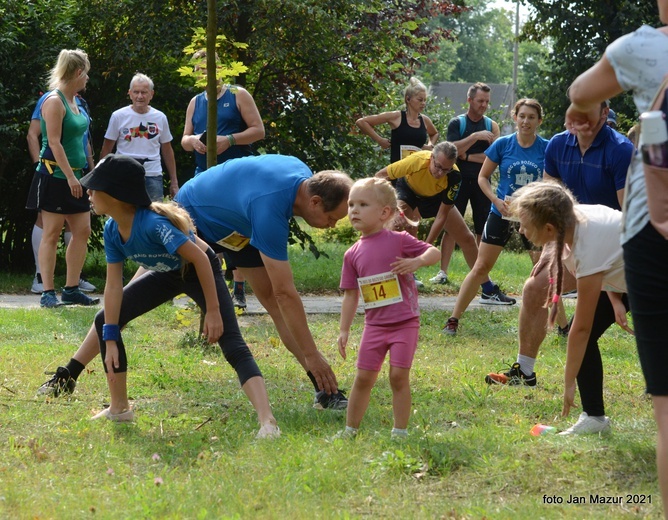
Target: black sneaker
{"x": 514, "y": 377}
{"x": 76, "y": 297}
{"x": 61, "y": 382}
{"x": 336, "y": 401}
{"x": 496, "y": 297}
{"x": 563, "y": 332}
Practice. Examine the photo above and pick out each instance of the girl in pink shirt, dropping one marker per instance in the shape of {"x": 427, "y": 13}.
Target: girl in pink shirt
{"x": 380, "y": 266}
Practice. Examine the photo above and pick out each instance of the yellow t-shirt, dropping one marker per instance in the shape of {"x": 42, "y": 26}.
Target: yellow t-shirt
{"x": 415, "y": 168}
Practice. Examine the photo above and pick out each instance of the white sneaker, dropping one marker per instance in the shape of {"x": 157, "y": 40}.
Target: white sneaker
{"x": 86, "y": 286}
{"x": 418, "y": 283}
{"x": 441, "y": 277}
{"x": 587, "y": 424}
{"x": 37, "y": 286}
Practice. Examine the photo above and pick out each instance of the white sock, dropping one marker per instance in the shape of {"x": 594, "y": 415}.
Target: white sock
{"x": 36, "y": 241}
{"x": 399, "y": 432}
{"x": 526, "y": 364}
{"x": 351, "y": 430}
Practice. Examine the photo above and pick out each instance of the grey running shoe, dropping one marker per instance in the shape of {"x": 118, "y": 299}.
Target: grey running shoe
{"x": 441, "y": 277}
{"x": 37, "y": 286}
{"x": 239, "y": 300}
{"x": 85, "y": 285}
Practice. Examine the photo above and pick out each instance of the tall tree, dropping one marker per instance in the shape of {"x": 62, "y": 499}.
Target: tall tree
{"x": 578, "y": 36}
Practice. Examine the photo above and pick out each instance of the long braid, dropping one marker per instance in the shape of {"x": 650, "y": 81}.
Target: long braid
{"x": 543, "y": 203}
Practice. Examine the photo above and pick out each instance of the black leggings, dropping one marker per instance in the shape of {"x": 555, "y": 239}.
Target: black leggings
{"x": 590, "y": 376}
{"x": 155, "y": 288}
{"x": 645, "y": 264}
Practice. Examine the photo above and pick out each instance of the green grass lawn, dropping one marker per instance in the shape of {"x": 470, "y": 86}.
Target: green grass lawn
{"x": 191, "y": 452}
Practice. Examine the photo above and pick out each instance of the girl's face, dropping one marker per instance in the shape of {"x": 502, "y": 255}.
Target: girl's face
{"x": 538, "y": 236}
{"x": 99, "y": 201}
{"x": 418, "y": 102}
{"x": 527, "y": 120}
{"x": 365, "y": 212}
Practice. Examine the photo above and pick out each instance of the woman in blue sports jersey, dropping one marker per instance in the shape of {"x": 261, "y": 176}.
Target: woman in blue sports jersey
{"x": 520, "y": 158}
{"x": 160, "y": 237}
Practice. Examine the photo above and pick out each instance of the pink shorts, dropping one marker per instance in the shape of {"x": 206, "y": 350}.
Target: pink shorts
{"x": 400, "y": 339}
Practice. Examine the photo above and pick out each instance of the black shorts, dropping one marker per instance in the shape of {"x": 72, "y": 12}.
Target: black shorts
{"x": 54, "y": 195}
{"x": 428, "y": 206}
{"x": 498, "y": 231}
{"x": 249, "y": 256}
{"x": 470, "y": 190}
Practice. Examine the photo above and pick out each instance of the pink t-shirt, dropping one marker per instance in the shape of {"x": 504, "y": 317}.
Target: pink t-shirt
{"x": 372, "y": 255}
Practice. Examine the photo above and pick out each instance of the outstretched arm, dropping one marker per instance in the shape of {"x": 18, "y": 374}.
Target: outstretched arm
{"x": 348, "y": 310}
{"x": 292, "y": 311}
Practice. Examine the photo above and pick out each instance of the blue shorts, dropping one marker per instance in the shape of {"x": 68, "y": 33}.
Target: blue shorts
{"x": 154, "y": 188}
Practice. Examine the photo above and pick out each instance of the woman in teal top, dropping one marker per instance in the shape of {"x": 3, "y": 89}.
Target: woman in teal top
{"x": 57, "y": 191}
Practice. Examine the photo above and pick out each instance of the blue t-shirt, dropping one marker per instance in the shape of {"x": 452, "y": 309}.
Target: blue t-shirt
{"x": 37, "y": 114}
{"x": 596, "y": 176}
{"x": 517, "y": 166}
{"x": 252, "y": 196}
{"x": 230, "y": 121}
{"x": 152, "y": 244}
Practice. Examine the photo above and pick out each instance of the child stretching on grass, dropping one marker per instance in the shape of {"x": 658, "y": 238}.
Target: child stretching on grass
{"x": 587, "y": 242}
{"x": 380, "y": 265}
{"x": 160, "y": 237}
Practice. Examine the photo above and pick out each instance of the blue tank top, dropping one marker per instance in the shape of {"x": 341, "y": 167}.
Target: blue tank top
{"x": 229, "y": 122}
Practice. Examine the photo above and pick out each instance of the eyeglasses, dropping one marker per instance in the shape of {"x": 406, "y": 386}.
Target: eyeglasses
{"x": 441, "y": 168}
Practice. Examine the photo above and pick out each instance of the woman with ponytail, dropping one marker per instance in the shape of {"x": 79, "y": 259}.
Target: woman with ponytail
{"x": 587, "y": 243}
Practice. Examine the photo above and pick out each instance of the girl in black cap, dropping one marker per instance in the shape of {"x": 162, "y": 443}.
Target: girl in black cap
{"x": 160, "y": 237}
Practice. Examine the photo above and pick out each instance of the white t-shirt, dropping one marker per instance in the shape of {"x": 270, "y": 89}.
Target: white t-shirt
{"x": 140, "y": 136}
{"x": 596, "y": 247}
{"x": 639, "y": 62}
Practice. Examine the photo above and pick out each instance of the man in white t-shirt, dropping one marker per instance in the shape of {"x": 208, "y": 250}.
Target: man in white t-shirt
{"x": 142, "y": 132}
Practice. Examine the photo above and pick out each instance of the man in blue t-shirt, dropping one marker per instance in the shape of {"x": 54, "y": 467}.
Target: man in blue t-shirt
{"x": 593, "y": 166}
{"x": 244, "y": 207}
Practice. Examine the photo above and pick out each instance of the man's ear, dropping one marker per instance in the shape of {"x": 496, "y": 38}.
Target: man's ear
{"x": 315, "y": 200}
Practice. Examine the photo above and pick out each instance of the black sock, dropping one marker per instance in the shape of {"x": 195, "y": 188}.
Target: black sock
{"x": 75, "y": 368}
{"x": 315, "y": 384}
{"x": 70, "y": 289}
{"x": 239, "y": 287}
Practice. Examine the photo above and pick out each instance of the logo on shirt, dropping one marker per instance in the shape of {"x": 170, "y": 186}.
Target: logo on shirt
{"x": 148, "y": 131}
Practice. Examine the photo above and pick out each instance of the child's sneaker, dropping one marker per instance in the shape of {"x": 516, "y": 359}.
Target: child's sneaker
{"x": 76, "y": 297}
{"x": 588, "y": 424}
{"x": 49, "y": 300}
{"x": 61, "y": 383}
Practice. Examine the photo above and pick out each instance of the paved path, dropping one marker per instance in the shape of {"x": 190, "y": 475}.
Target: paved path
{"x": 312, "y": 304}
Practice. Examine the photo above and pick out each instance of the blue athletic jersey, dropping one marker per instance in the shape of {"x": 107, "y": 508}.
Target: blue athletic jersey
{"x": 596, "y": 176}
{"x": 517, "y": 166}
{"x": 252, "y": 196}
{"x": 152, "y": 244}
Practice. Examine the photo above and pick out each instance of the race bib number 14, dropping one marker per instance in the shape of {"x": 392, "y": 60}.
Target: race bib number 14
{"x": 380, "y": 290}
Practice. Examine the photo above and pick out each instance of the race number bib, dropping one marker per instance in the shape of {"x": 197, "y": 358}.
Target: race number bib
{"x": 407, "y": 150}
{"x": 380, "y": 290}
{"x": 234, "y": 241}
